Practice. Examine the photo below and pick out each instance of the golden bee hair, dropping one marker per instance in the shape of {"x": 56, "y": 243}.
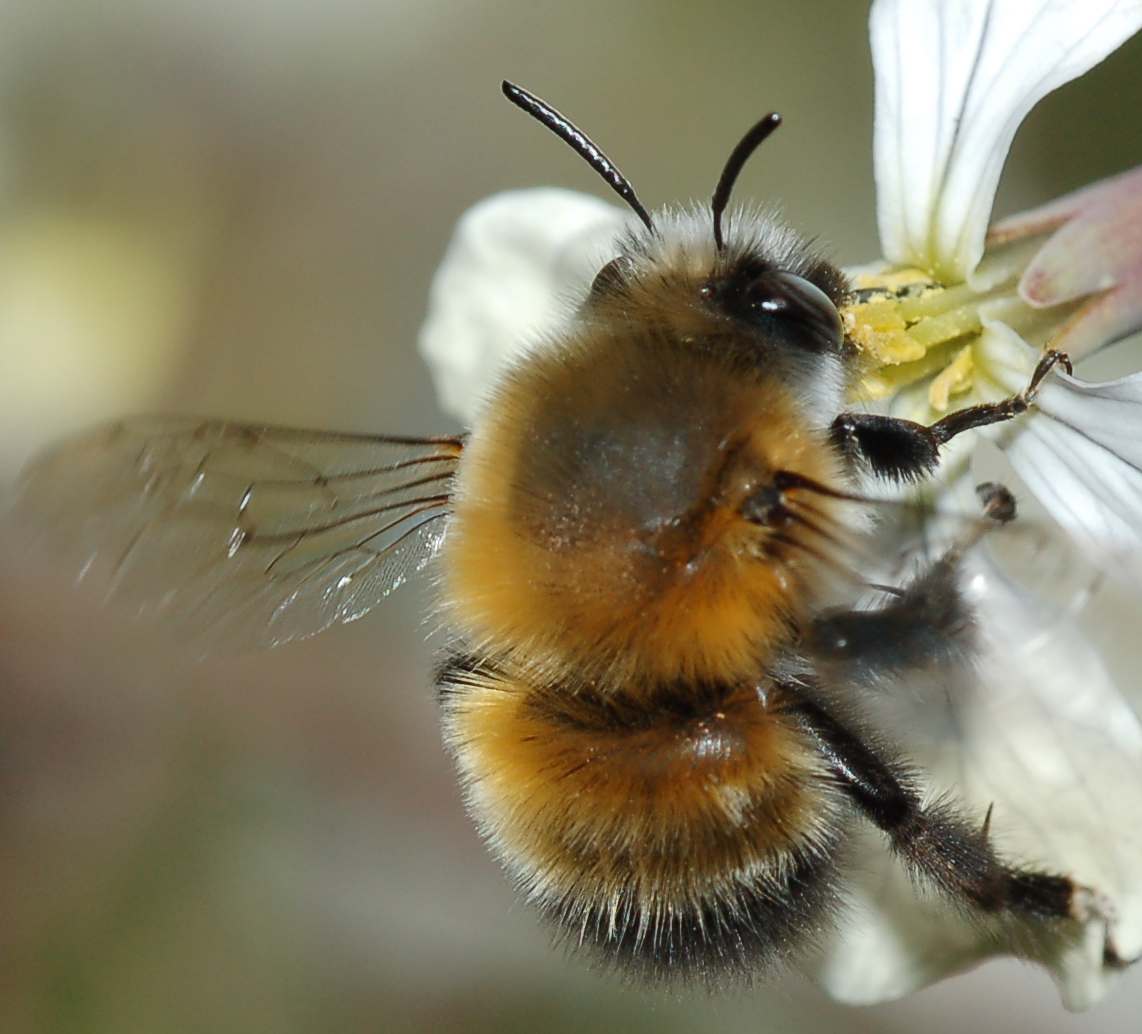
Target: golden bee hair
{"x": 664, "y": 665}
{"x": 617, "y": 609}
{"x": 645, "y": 694}
{"x": 597, "y": 525}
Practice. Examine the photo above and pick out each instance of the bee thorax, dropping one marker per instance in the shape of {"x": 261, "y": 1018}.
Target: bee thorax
{"x": 605, "y": 521}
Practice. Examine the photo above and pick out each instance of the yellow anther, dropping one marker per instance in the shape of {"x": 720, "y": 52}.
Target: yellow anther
{"x": 953, "y": 379}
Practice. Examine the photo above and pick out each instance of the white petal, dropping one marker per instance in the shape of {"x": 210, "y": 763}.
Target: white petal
{"x": 1043, "y": 734}
{"x": 1050, "y": 729}
{"x": 516, "y": 265}
{"x": 1080, "y": 453}
{"x": 953, "y": 82}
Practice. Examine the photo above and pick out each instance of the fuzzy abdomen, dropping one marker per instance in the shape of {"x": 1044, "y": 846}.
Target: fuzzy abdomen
{"x": 686, "y": 834}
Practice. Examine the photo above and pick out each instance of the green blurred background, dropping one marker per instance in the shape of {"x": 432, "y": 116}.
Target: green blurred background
{"x": 234, "y": 209}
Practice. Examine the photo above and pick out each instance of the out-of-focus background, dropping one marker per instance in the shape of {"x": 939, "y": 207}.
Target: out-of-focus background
{"x": 234, "y": 209}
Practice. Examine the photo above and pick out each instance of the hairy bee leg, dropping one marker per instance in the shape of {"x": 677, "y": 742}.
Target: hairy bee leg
{"x": 927, "y": 624}
{"x": 935, "y": 841}
{"x": 903, "y": 450}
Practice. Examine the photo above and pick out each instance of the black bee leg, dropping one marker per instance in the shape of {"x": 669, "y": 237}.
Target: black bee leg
{"x": 936, "y": 842}
{"x": 927, "y": 625}
{"x": 902, "y": 450}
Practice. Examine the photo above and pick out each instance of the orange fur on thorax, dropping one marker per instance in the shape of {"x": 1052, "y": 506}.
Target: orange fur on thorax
{"x": 595, "y": 598}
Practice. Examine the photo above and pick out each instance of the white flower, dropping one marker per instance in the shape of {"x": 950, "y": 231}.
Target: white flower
{"x": 503, "y": 281}
{"x": 953, "y": 82}
{"x": 1049, "y": 732}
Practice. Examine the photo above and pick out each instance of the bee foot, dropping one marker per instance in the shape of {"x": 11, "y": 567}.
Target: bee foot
{"x": 1049, "y": 360}
{"x": 998, "y": 503}
{"x": 1113, "y": 959}
{"x": 1089, "y": 905}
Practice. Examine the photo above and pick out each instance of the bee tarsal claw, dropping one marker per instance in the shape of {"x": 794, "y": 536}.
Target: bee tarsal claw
{"x": 1091, "y": 906}
{"x": 1047, "y": 362}
{"x": 1112, "y": 958}
{"x": 1088, "y": 905}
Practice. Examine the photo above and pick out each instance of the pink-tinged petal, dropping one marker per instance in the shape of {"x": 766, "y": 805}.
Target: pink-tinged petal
{"x": 516, "y": 265}
{"x": 1104, "y": 319}
{"x": 1096, "y": 249}
{"x": 954, "y": 80}
{"x": 1124, "y": 187}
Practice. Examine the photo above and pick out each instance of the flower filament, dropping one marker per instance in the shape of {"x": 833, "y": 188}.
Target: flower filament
{"x": 909, "y": 327}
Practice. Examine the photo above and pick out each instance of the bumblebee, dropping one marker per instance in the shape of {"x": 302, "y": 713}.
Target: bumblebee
{"x": 653, "y": 688}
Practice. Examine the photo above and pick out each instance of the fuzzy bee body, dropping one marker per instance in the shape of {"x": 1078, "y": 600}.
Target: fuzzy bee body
{"x": 596, "y": 527}
{"x": 654, "y": 691}
{"x": 618, "y": 725}
{"x": 653, "y": 706}
{"x": 687, "y": 832}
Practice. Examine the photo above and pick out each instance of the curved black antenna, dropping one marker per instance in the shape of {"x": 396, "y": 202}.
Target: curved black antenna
{"x": 580, "y": 143}
{"x": 738, "y": 157}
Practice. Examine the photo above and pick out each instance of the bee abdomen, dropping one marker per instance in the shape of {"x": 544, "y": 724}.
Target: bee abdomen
{"x": 685, "y": 832}
{"x": 724, "y": 933}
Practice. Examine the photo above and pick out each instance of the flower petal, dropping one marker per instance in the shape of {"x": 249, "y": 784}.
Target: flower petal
{"x": 1080, "y": 453}
{"x": 1099, "y": 197}
{"x": 516, "y": 265}
{"x": 1076, "y": 463}
{"x": 1095, "y": 248}
{"x": 953, "y": 83}
{"x": 1049, "y": 732}
{"x": 1044, "y": 735}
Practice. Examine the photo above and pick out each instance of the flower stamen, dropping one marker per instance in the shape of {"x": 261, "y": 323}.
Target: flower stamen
{"x": 908, "y": 327}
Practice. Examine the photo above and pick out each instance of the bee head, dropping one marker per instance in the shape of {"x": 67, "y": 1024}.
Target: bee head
{"x": 768, "y": 287}
{"x": 766, "y": 282}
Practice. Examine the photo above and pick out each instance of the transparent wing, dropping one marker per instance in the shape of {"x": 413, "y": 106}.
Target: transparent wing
{"x": 1031, "y": 558}
{"x": 1027, "y": 554}
{"x": 235, "y": 535}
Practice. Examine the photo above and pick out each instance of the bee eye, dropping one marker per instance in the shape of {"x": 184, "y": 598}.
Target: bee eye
{"x": 610, "y": 280}
{"x": 793, "y": 303}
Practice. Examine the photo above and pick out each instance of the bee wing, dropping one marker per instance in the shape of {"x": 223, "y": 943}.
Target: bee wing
{"x": 1032, "y": 559}
{"x": 237, "y": 535}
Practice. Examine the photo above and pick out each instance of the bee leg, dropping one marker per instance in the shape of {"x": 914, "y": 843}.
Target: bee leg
{"x": 903, "y": 450}
{"x": 936, "y": 842}
{"x": 928, "y": 624}
{"x": 1112, "y": 958}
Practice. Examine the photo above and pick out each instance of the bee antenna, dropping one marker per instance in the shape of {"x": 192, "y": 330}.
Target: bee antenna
{"x": 580, "y": 143}
{"x": 738, "y": 157}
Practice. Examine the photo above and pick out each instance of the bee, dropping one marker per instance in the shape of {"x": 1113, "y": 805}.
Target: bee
{"x": 653, "y": 685}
